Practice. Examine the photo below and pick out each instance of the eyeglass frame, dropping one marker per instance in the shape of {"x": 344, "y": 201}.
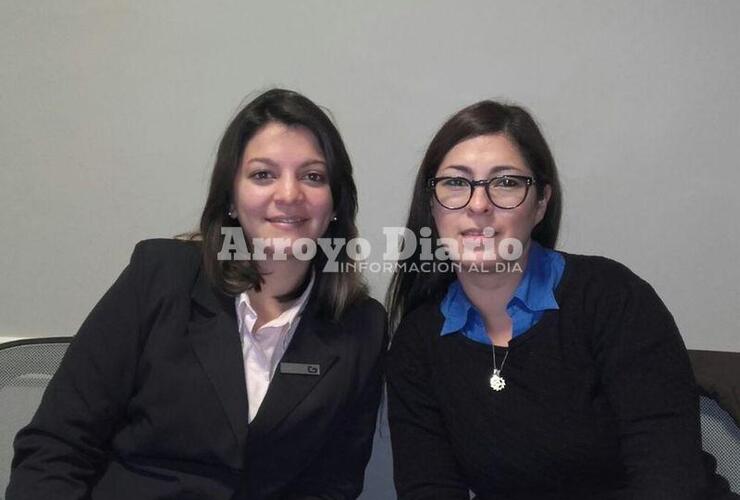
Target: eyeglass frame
{"x": 529, "y": 181}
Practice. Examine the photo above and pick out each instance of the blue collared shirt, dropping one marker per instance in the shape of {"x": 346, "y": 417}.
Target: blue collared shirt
{"x": 534, "y": 295}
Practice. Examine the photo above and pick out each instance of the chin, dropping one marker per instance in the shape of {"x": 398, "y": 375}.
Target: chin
{"x": 485, "y": 265}
{"x": 276, "y": 246}
{"x": 477, "y": 265}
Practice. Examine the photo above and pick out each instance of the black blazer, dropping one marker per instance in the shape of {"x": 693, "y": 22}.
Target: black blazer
{"x": 150, "y": 401}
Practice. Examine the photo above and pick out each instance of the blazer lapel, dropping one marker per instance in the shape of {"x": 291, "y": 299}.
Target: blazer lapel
{"x": 309, "y": 345}
{"x": 214, "y": 336}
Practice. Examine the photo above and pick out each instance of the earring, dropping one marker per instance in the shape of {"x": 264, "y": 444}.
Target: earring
{"x": 334, "y": 219}
{"x": 231, "y": 213}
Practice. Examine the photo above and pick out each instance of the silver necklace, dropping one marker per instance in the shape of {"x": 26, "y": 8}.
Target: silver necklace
{"x": 497, "y": 381}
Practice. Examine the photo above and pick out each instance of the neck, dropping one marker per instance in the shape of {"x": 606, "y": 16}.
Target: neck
{"x": 490, "y": 293}
{"x": 280, "y": 278}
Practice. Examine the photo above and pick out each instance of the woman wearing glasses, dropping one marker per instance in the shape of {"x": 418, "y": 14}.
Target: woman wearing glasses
{"x": 524, "y": 372}
{"x": 201, "y": 376}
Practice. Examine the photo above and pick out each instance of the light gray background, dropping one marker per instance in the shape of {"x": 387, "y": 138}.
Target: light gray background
{"x": 111, "y": 113}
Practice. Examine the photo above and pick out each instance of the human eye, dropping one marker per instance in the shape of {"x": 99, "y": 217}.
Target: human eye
{"x": 315, "y": 178}
{"x": 261, "y": 176}
{"x": 508, "y": 182}
{"x": 455, "y": 183}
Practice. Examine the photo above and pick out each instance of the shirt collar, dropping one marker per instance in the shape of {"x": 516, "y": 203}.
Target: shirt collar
{"x": 455, "y": 308}
{"x": 536, "y": 290}
{"x": 246, "y": 313}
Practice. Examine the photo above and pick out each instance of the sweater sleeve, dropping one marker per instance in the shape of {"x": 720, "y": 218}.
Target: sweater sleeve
{"x": 424, "y": 465}
{"x": 647, "y": 377}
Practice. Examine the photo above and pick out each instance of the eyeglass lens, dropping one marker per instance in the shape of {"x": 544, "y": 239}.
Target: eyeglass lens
{"x": 504, "y": 192}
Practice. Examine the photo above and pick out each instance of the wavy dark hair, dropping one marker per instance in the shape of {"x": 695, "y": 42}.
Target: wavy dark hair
{"x": 334, "y": 291}
{"x": 409, "y": 289}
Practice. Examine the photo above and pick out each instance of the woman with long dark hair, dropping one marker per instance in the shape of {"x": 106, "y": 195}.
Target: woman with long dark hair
{"x": 518, "y": 371}
{"x": 229, "y": 364}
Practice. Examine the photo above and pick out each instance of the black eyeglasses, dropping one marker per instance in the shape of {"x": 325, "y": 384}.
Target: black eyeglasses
{"x": 505, "y": 191}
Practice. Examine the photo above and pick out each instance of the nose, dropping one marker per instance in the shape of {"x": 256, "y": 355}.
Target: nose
{"x": 479, "y": 203}
{"x": 287, "y": 190}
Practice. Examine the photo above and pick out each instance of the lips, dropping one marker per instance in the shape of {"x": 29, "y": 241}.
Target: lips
{"x": 289, "y": 220}
{"x": 486, "y": 232}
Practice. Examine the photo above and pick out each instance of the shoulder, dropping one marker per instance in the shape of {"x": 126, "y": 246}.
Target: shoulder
{"x": 162, "y": 250}
{"x": 594, "y": 266}
{"x": 364, "y": 309}
{"x": 417, "y": 332}
{"x": 166, "y": 263}
{"x": 423, "y": 321}
{"x": 366, "y": 320}
{"x": 414, "y": 345}
{"x": 604, "y": 288}
{"x": 601, "y": 275}
{"x": 360, "y": 334}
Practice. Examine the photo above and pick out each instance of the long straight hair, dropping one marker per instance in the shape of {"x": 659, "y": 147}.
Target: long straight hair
{"x": 410, "y": 287}
{"x": 334, "y": 291}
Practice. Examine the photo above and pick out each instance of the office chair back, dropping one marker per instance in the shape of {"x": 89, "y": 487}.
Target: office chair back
{"x": 717, "y": 374}
{"x": 720, "y": 436}
{"x": 26, "y": 366}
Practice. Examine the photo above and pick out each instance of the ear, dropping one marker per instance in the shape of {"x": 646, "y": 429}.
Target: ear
{"x": 542, "y": 204}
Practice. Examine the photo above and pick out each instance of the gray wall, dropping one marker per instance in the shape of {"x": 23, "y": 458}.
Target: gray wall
{"x": 111, "y": 113}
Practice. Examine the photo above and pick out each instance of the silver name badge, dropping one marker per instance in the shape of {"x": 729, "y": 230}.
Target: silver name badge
{"x": 300, "y": 369}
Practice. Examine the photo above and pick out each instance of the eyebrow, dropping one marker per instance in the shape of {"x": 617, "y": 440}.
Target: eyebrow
{"x": 275, "y": 164}
{"x": 493, "y": 170}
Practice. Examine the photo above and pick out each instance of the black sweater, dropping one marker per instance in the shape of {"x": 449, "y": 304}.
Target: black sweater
{"x": 600, "y": 401}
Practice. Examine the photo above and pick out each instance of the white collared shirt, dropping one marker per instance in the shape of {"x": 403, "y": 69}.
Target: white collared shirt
{"x": 262, "y": 350}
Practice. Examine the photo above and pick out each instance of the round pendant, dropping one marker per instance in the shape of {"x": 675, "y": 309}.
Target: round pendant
{"x": 497, "y": 381}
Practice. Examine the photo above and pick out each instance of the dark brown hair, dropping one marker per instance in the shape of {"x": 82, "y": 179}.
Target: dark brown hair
{"x": 410, "y": 288}
{"x": 334, "y": 291}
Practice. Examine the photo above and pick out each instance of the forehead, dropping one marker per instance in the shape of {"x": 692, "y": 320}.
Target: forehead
{"x": 278, "y": 139}
{"x": 484, "y": 152}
